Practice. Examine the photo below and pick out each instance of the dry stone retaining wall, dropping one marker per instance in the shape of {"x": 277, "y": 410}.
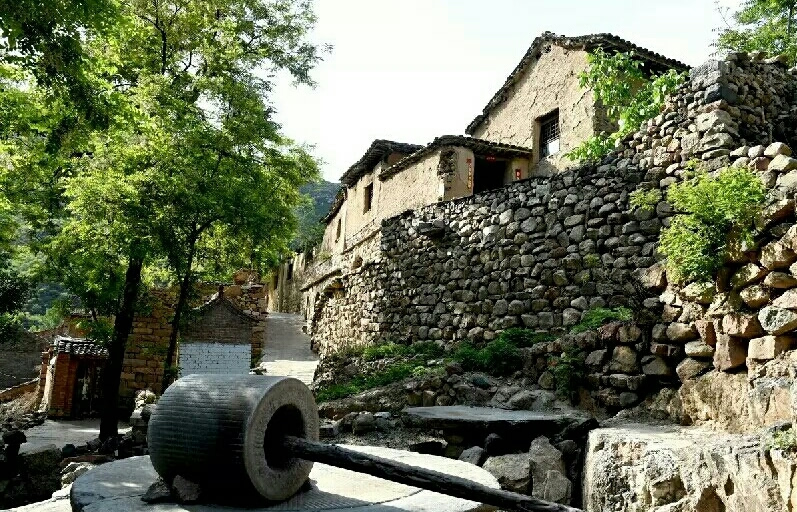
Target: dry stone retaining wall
{"x": 541, "y": 252}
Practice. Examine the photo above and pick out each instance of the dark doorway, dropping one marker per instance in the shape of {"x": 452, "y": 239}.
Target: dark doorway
{"x": 87, "y": 399}
{"x": 488, "y": 174}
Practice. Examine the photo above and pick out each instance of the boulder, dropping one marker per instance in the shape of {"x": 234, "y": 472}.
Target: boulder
{"x": 729, "y": 353}
{"x": 657, "y": 367}
{"x": 707, "y": 332}
{"x": 788, "y": 300}
{"x": 782, "y": 163}
{"x": 624, "y": 360}
{"x": 777, "y": 148}
{"x": 683, "y": 469}
{"x": 531, "y": 400}
{"x": 780, "y": 280}
{"x": 512, "y": 471}
{"x": 743, "y": 325}
{"x": 547, "y": 472}
{"x": 364, "y": 422}
{"x": 746, "y": 275}
{"x": 768, "y": 347}
{"x": 702, "y": 293}
{"x": 777, "y": 255}
{"x": 474, "y": 455}
{"x": 755, "y": 296}
{"x": 690, "y": 368}
{"x": 699, "y": 348}
{"x": 680, "y": 332}
{"x": 185, "y": 490}
{"x": 776, "y": 320}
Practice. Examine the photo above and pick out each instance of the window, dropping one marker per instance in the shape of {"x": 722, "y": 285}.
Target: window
{"x": 337, "y": 232}
{"x": 289, "y": 273}
{"x": 549, "y": 134}
{"x": 369, "y": 196}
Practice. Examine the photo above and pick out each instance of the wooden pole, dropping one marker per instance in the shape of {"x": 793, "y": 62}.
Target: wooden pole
{"x": 417, "y": 477}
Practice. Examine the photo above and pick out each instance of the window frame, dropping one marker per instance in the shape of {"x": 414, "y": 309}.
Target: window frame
{"x": 368, "y": 197}
{"x": 550, "y": 131}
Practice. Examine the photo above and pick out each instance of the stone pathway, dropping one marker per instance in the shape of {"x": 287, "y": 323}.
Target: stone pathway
{"x": 287, "y": 349}
{"x": 62, "y": 432}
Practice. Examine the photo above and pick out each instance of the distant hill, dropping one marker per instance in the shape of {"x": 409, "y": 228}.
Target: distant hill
{"x": 311, "y": 230}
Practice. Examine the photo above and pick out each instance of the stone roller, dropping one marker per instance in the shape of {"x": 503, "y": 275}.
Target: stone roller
{"x": 252, "y": 438}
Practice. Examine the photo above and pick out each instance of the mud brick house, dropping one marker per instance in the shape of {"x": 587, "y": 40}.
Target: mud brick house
{"x": 538, "y": 115}
{"x": 71, "y": 377}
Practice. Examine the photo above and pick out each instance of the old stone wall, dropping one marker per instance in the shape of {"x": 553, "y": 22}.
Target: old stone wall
{"x": 541, "y": 252}
{"x": 149, "y": 342}
{"x": 20, "y": 358}
{"x": 539, "y": 92}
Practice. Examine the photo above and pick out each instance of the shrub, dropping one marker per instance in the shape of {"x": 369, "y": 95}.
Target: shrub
{"x": 645, "y": 199}
{"x": 524, "y": 337}
{"x": 711, "y": 210}
{"x": 568, "y": 372}
{"x": 498, "y": 357}
{"x": 785, "y": 440}
{"x": 630, "y": 93}
{"x": 427, "y": 349}
{"x": 596, "y": 317}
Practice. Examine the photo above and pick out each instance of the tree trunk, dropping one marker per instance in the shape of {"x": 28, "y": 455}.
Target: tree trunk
{"x": 185, "y": 287}
{"x": 182, "y": 298}
{"x": 112, "y": 374}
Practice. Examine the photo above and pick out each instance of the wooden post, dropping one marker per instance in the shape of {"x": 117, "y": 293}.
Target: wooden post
{"x": 411, "y": 475}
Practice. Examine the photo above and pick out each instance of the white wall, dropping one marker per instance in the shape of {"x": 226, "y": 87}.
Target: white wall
{"x": 216, "y": 358}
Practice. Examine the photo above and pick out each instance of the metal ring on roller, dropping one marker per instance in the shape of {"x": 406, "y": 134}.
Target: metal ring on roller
{"x": 223, "y": 433}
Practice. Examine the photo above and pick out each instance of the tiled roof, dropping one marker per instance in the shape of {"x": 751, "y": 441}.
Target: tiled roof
{"x": 220, "y": 300}
{"x": 655, "y": 61}
{"x": 479, "y": 146}
{"x": 78, "y": 347}
{"x": 378, "y": 149}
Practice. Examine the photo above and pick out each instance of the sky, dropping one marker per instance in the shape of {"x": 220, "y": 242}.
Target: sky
{"x": 411, "y": 70}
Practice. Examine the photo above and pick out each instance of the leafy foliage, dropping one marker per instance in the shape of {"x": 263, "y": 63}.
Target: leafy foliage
{"x": 497, "y": 357}
{"x": 391, "y": 373}
{"x": 524, "y": 337}
{"x": 785, "y": 440}
{"x": 425, "y": 349}
{"x": 766, "y": 25}
{"x": 153, "y": 144}
{"x": 712, "y": 210}
{"x": 645, "y": 199}
{"x": 568, "y": 372}
{"x": 595, "y": 317}
{"x": 630, "y": 93}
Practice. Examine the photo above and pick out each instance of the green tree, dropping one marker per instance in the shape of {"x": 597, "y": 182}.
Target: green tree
{"x": 766, "y": 25}
{"x": 630, "y": 93}
{"x": 189, "y": 149}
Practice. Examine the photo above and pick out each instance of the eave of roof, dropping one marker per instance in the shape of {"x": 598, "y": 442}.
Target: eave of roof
{"x": 376, "y": 151}
{"x": 79, "y": 347}
{"x": 479, "y": 146}
{"x": 220, "y": 300}
{"x": 587, "y": 42}
{"x": 334, "y": 208}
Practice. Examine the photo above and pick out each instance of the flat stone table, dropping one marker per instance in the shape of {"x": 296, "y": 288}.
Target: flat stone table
{"x": 118, "y": 487}
{"x": 474, "y": 423}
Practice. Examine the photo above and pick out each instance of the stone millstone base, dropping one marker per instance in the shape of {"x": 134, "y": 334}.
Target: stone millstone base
{"x": 118, "y": 487}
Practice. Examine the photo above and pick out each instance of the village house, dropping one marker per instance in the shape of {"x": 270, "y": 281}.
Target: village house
{"x": 539, "y": 114}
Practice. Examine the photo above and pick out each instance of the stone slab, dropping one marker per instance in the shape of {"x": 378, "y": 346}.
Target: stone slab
{"x": 118, "y": 487}
{"x": 462, "y": 417}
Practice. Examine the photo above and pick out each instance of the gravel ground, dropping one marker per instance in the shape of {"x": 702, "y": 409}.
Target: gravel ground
{"x": 399, "y": 438}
